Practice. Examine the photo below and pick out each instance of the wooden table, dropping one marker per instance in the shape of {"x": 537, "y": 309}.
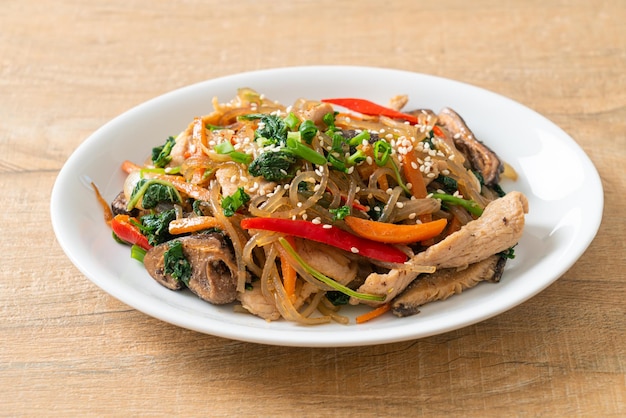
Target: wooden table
{"x": 70, "y": 349}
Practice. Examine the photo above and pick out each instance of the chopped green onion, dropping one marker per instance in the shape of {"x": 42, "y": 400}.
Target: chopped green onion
{"x": 299, "y": 149}
{"x": 292, "y": 121}
{"x": 224, "y": 147}
{"x": 325, "y": 279}
{"x": 356, "y": 158}
{"x": 329, "y": 119}
{"x": 307, "y": 130}
{"x": 137, "y": 253}
{"x": 471, "y": 206}
{"x": 359, "y": 138}
{"x": 382, "y": 151}
{"x": 227, "y": 148}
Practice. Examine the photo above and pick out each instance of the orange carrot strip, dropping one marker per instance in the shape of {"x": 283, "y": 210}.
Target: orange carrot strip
{"x": 374, "y": 313}
{"x": 453, "y": 226}
{"x": 395, "y": 234}
{"x": 289, "y": 273}
{"x": 413, "y": 175}
{"x": 129, "y": 166}
{"x": 197, "y": 223}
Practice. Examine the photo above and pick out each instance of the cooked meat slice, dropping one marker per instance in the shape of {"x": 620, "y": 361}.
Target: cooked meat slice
{"x": 398, "y": 102}
{"x": 214, "y": 271}
{"x": 229, "y": 179}
{"x": 316, "y": 113}
{"x": 446, "y": 282}
{"x": 254, "y": 302}
{"x": 482, "y": 159}
{"x": 499, "y": 228}
{"x": 328, "y": 261}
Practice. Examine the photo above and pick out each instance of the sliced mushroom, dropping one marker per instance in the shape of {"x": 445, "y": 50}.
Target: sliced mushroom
{"x": 118, "y": 206}
{"x": 446, "y": 282}
{"x": 482, "y": 159}
{"x": 214, "y": 271}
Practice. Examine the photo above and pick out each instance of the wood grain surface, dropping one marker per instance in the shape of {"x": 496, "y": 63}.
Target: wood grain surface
{"x": 69, "y": 349}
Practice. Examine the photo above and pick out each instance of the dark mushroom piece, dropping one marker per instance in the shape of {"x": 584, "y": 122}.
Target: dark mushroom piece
{"x": 118, "y": 206}
{"x": 214, "y": 270}
{"x": 446, "y": 282}
{"x": 481, "y": 158}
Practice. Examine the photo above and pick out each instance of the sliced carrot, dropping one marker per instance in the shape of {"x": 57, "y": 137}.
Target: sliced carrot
{"x": 188, "y": 225}
{"x": 393, "y": 233}
{"x": 454, "y": 225}
{"x": 129, "y": 166}
{"x": 374, "y": 313}
{"x": 413, "y": 175}
{"x": 289, "y": 273}
{"x": 438, "y": 132}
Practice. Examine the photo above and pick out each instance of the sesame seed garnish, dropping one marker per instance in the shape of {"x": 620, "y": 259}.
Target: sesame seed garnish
{"x": 327, "y": 226}
{"x": 355, "y": 250}
{"x": 399, "y": 205}
{"x": 317, "y": 220}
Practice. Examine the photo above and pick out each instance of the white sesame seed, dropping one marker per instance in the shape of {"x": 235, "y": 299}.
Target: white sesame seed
{"x": 316, "y": 220}
{"x": 327, "y": 226}
{"x": 299, "y": 204}
{"x": 369, "y": 160}
{"x": 431, "y": 175}
{"x": 412, "y": 216}
{"x": 355, "y": 250}
{"x": 399, "y": 205}
{"x": 414, "y": 165}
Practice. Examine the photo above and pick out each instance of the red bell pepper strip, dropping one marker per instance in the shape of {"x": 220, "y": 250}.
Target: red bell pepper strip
{"x": 128, "y": 232}
{"x": 366, "y": 107}
{"x": 330, "y": 235}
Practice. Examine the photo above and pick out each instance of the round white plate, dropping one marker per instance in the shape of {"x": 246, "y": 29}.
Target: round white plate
{"x": 563, "y": 188}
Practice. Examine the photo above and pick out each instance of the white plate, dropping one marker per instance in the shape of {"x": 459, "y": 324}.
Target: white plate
{"x": 561, "y": 183}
